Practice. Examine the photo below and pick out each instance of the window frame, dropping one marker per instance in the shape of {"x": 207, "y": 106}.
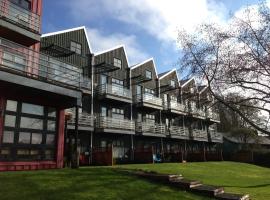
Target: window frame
{"x": 147, "y": 72}
{"x": 77, "y": 47}
{"x": 117, "y": 62}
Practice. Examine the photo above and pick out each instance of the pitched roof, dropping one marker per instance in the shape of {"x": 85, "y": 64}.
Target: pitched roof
{"x": 146, "y": 61}
{"x": 70, "y": 30}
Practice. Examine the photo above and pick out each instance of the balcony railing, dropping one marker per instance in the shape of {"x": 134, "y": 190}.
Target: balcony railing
{"x": 144, "y": 127}
{"x": 212, "y": 115}
{"x": 199, "y": 134}
{"x": 113, "y": 123}
{"x": 198, "y": 112}
{"x": 26, "y": 62}
{"x": 85, "y": 119}
{"x": 179, "y": 131}
{"x": 20, "y": 16}
{"x": 116, "y": 90}
{"x": 147, "y": 98}
{"x": 174, "y": 105}
{"x": 215, "y": 136}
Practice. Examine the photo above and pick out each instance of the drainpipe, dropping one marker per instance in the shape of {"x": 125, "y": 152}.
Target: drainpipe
{"x": 92, "y": 106}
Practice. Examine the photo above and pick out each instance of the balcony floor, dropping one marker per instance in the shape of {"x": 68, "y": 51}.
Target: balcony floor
{"x": 117, "y": 131}
{"x": 114, "y": 98}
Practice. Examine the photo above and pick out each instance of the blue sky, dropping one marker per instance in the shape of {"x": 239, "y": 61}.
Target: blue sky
{"x": 147, "y": 28}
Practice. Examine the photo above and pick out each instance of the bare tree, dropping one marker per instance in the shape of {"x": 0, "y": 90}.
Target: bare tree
{"x": 234, "y": 59}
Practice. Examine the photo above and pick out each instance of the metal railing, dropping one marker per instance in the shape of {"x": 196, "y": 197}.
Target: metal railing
{"x": 113, "y": 123}
{"x": 33, "y": 64}
{"x": 85, "y": 119}
{"x": 145, "y": 127}
{"x": 174, "y": 105}
{"x": 147, "y": 98}
{"x": 20, "y": 16}
{"x": 214, "y": 135}
{"x": 178, "y": 130}
{"x": 116, "y": 90}
{"x": 197, "y": 111}
{"x": 197, "y": 133}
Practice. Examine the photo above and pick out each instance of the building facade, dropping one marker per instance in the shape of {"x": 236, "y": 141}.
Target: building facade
{"x": 56, "y": 93}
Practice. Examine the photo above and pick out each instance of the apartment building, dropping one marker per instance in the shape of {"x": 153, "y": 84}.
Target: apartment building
{"x": 36, "y": 88}
{"x": 56, "y": 93}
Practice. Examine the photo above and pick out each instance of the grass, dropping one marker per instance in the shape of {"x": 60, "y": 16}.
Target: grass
{"x": 234, "y": 177}
{"x": 85, "y": 183}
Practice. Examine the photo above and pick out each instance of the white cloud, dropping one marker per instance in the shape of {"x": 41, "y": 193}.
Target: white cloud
{"x": 158, "y": 18}
{"x": 100, "y": 42}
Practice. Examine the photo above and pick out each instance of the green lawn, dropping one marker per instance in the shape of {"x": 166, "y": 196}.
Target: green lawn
{"x": 101, "y": 183}
{"x": 234, "y": 177}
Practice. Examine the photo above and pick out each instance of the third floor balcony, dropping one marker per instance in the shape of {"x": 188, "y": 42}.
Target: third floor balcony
{"x": 175, "y": 107}
{"x": 148, "y": 100}
{"x": 114, "y": 92}
{"x": 19, "y": 20}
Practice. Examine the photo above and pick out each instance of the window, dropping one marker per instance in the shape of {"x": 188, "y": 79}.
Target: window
{"x": 8, "y": 137}
{"x": 103, "y": 79}
{"x": 29, "y": 131}
{"x": 148, "y": 74}
{"x": 51, "y": 125}
{"x": 10, "y": 120}
{"x": 117, "y": 81}
{"x": 117, "y": 113}
{"x": 50, "y": 139}
{"x": 149, "y": 91}
{"x": 76, "y": 47}
{"x": 139, "y": 89}
{"x": 26, "y": 4}
{"x": 173, "y": 83}
{"x": 11, "y": 105}
{"x": 117, "y": 63}
{"x": 14, "y": 61}
{"x": 103, "y": 111}
{"x": 24, "y": 138}
{"x": 33, "y": 123}
{"x": 32, "y": 109}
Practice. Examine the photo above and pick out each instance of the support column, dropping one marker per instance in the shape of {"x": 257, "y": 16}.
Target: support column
{"x": 60, "y": 141}
{"x": 204, "y": 153}
{"x": 132, "y": 149}
{"x": 91, "y": 149}
{"x": 162, "y": 149}
{"x": 75, "y": 160}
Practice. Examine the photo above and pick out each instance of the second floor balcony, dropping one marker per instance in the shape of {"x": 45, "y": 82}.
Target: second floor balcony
{"x": 179, "y": 132}
{"x": 215, "y": 136}
{"x": 148, "y": 100}
{"x": 151, "y": 129}
{"x": 114, "y": 92}
{"x": 34, "y": 69}
{"x": 114, "y": 125}
{"x": 85, "y": 121}
{"x": 199, "y": 135}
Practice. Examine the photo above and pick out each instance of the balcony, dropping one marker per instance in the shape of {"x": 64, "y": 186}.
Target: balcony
{"x": 150, "y": 101}
{"x": 85, "y": 122}
{"x": 176, "y": 107}
{"x": 114, "y": 92}
{"x": 199, "y": 135}
{"x": 23, "y": 66}
{"x": 212, "y": 116}
{"x": 197, "y": 112}
{"x": 151, "y": 129}
{"x": 113, "y": 125}
{"x": 19, "y": 20}
{"x": 179, "y": 132}
{"x": 215, "y": 136}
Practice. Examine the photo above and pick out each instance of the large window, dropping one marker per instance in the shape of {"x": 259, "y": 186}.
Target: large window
{"x": 29, "y": 132}
{"x": 117, "y": 63}
{"x": 26, "y": 4}
{"x": 76, "y": 47}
